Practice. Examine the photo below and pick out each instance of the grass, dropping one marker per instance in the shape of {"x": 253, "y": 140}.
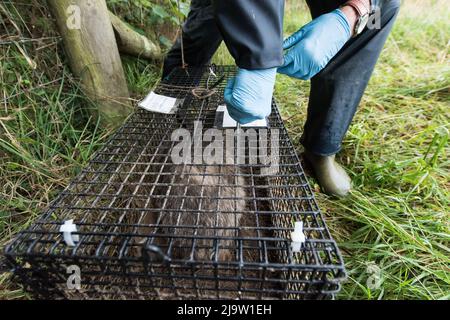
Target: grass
{"x": 47, "y": 133}
{"x": 397, "y": 217}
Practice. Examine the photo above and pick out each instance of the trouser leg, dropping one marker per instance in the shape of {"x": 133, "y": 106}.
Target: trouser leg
{"x": 201, "y": 38}
{"x": 337, "y": 90}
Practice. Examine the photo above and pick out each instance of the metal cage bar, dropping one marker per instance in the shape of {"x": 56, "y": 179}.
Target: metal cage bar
{"x": 149, "y": 228}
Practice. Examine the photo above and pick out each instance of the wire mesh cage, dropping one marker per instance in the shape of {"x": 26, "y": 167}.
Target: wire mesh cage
{"x": 149, "y": 228}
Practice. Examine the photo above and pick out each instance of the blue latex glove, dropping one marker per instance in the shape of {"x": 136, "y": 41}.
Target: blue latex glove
{"x": 314, "y": 45}
{"x": 248, "y": 96}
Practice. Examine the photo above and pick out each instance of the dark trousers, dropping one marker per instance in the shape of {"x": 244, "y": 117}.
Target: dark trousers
{"x": 336, "y": 91}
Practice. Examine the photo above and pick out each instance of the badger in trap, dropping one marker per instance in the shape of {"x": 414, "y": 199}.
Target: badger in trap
{"x": 184, "y": 205}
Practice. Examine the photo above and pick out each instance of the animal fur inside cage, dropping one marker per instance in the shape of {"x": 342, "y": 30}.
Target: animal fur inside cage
{"x": 152, "y": 228}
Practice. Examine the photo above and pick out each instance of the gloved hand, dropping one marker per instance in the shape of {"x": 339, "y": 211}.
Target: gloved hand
{"x": 314, "y": 45}
{"x": 248, "y": 96}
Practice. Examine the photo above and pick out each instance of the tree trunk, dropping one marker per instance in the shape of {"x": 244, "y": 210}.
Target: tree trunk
{"x": 133, "y": 43}
{"x": 93, "y": 54}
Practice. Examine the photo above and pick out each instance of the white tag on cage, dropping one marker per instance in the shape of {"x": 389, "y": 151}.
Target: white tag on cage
{"x": 67, "y": 229}
{"x": 229, "y": 122}
{"x": 298, "y": 237}
{"x": 160, "y": 103}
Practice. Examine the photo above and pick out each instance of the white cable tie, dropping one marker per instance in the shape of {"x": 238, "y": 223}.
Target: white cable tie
{"x": 298, "y": 237}
{"x": 67, "y": 229}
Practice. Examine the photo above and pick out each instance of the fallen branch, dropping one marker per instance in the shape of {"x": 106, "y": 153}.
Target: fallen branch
{"x": 133, "y": 43}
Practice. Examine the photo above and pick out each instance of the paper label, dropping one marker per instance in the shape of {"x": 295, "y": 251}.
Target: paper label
{"x": 229, "y": 122}
{"x": 159, "y": 103}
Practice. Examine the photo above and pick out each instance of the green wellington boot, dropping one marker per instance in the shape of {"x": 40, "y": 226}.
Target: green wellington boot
{"x": 331, "y": 177}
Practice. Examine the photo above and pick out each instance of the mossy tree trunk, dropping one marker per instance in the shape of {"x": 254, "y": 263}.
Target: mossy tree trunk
{"x": 133, "y": 43}
{"x": 92, "y": 50}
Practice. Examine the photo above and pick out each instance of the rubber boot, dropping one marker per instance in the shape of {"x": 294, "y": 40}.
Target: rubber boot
{"x": 332, "y": 178}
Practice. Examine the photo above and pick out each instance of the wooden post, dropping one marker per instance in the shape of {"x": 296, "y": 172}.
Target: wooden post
{"x": 91, "y": 47}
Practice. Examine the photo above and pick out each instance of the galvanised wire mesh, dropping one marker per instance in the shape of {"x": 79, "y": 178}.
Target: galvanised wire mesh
{"x": 149, "y": 228}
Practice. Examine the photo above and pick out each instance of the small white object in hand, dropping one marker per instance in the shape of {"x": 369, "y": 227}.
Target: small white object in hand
{"x": 67, "y": 229}
{"x": 229, "y": 122}
{"x": 298, "y": 237}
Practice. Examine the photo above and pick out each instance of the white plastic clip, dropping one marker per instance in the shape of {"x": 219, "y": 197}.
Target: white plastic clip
{"x": 211, "y": 71}
{"x": 298, "y": 237}
{"x": 67, "y": 228}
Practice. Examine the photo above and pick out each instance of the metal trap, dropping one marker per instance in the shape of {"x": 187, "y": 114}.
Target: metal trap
{"x": 136, "y": 224}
